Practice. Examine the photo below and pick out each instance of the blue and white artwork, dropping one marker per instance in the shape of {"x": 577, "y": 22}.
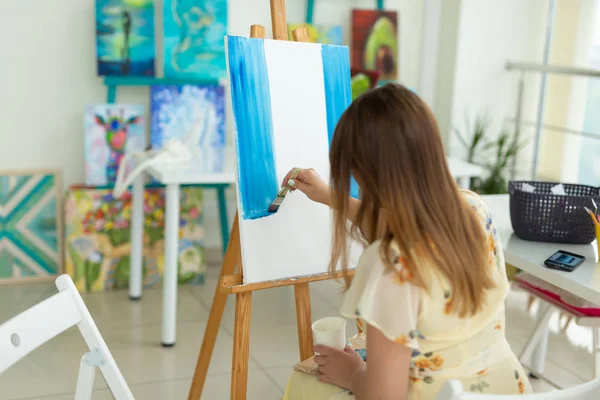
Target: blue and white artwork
{"x": 287, "y": 99}
{"x": 193, "y": 114}
{"x": 125, "y": 37}
{"x": 193, "y": 38}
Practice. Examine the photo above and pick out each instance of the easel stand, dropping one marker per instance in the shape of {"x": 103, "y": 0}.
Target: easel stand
{"x": 230, "y": 282}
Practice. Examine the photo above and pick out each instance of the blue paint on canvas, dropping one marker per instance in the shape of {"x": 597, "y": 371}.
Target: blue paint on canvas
{"x": 125, "y": 37}
{"x": 251, "y": 98}
{"x": 195, "y": 115}
{"x": 338, "y": 92}
{"x": 193, "y": 42}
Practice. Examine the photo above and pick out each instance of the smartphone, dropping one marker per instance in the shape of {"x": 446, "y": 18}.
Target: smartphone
{"x": 564, "y": 261}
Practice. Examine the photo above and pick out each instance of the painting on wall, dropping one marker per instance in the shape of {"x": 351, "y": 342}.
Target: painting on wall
{"x": 272, "y": 137}
{"x": 111, "y": 131}
{"x": 193, "y": 38}
{"x": 195, "y": 115}
{"x": 125, "y": 37}
{"x": 324, "y": 34}
{"x": 98, "y": 237}
{"x": 375, "y": 42}
{"x": 30, "y": 226}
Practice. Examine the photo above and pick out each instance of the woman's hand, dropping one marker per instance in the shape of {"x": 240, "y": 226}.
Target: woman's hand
{"x": 338, "y": 367}
{"x": 309, "y": 183}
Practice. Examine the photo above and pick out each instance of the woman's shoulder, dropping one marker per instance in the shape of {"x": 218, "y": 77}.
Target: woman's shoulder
{"x": 372, "y": 264}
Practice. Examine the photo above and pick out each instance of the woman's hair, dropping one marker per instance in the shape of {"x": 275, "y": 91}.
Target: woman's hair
{"x": 389, "y": 141}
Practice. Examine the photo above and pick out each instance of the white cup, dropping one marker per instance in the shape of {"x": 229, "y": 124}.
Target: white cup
{"x": 330, "y": 331}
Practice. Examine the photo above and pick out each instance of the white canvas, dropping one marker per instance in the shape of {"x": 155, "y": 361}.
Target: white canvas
{"x": 295, "y": 241}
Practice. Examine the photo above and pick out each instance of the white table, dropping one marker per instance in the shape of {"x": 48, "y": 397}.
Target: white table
{"x": 584, "y": 281}
{"x": 172, "y": 177}
{"x": 463, "y": 171}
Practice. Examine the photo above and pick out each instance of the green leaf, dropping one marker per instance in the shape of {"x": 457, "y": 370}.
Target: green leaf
{"x": 428, "y": 354}
{"x": 428, "y": 379}
{"x": 473, "y": 388}
{"x": 484, "y": 384}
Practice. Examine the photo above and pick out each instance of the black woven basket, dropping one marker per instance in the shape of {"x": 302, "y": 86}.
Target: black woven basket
{"x": 545, "y": 217}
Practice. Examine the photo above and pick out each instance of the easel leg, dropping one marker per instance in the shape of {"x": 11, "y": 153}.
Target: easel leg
{"x": 304, "y": 320}
{"x": 241, "y": 346}
{"x": 230, "y": 261}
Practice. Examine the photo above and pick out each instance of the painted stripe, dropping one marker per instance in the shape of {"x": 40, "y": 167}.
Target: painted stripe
{"x": 338, "y": 93}
{"x": 251, "y": 98}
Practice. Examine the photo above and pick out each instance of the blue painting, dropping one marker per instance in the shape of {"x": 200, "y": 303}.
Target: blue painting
{"x": 194, "y": 115}
{"x": 30, "y": 221}
{"x": 125, "y": 37}
{"x": 194, "y": 32}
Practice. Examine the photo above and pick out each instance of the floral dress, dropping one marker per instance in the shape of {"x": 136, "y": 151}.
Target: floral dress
{"x": 473, "y": 350}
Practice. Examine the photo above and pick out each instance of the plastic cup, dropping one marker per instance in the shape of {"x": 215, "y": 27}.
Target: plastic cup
{"x": 330, "y": 331}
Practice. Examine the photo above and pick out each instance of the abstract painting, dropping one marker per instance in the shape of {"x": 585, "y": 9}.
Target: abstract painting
{"x": 324, "y": 34}
{"x": 287, "y": 98}
{"x": 30, "y": 226}
{"x": 111, "y": 131}
{"x": 195, "y": 115}
{"x": 375, "y": 42}
{"x": 125, "y": 37}
{"x": 193, "y": 38}
{"x": 98, "y": 237}
{"x": 362, "y": 81}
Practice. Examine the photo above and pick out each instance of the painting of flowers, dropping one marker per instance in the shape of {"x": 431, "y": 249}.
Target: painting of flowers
{"x": 98, "y": 237}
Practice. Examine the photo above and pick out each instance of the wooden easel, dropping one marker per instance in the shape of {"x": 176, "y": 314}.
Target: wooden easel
{"x": 231, "y": 282}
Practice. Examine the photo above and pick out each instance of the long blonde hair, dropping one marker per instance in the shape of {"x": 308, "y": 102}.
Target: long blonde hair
{"x": 389, "y": 141}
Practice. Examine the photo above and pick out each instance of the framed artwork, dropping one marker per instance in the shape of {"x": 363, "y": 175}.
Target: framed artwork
{"x": 125, "y": 37}
{"x": 375, "y": 42}
{"x": 193, "y": 38}
{"x": 324, "y": 34}
{"x": 195, "y": 115}
{"x": 98, "y": 237}
{"x": 111, "y": 131}
{"x": 30, "y": 226}
{"x": 275, "y": 134}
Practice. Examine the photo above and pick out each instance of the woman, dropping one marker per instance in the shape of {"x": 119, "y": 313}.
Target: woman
{"x": 429, "y": 289}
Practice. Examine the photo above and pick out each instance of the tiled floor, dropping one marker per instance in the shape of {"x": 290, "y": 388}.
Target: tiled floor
{"x": 132, "y": 331}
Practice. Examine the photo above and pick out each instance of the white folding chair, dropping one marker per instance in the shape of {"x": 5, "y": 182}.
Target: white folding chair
{"x": 453, "y": 390}
{"x": 27, "y": 331}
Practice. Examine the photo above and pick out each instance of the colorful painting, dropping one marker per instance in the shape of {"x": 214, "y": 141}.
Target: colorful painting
{"x": 125, "y": 37}
{"x": 375, "y": 42}
{"x": 195, "y": 115}
{"x": 362, "y": 81}
{"x": 111, "y": 131}
{"x": 98, "y": 238}
{"x": 272, "y": 137}
{"x": 324, "y": 34}
{"x": 193, "y": 41}
{"x": 30, "y": 226}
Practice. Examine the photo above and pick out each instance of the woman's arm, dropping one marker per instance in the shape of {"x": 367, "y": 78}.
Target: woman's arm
{"x": 386, "y": 375}
{"x": 315, "y": 188}
{"x": 383, "y": 377}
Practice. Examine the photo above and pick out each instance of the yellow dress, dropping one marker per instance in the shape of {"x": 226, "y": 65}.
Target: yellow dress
{"x": 473, "y": 350}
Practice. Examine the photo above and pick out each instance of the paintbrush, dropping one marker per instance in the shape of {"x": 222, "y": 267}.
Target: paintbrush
{"x": 274, "y": 207}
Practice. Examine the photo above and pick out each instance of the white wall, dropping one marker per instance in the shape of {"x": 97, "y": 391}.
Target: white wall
{"x": 490, "y": 33}
{"x": 47, "y": 75}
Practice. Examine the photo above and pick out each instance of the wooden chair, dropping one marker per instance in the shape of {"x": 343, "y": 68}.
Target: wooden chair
{"x": 27, "y": 331}
{"x": 453, "y": 390}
